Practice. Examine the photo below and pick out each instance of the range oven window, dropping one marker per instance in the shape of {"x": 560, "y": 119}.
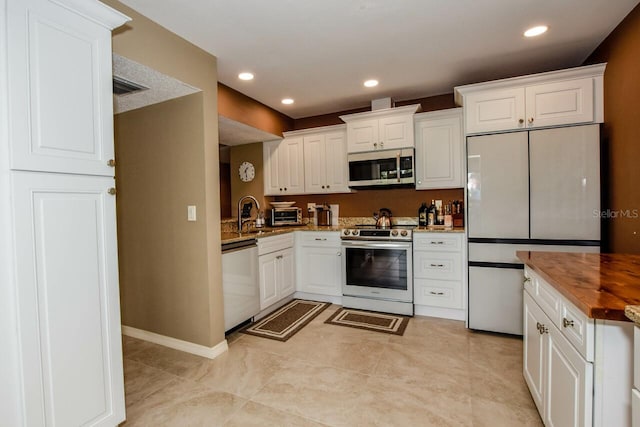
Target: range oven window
{"x": 377, "y": 268}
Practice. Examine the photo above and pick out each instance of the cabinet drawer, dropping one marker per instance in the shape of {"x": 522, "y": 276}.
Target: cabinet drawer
{"x": 319, "y": 238}
{"x": 548, "y": 298}
{"x": 437, "y": 241}
{"x": 438, "y": 293}
{"x": 635, "y": 408}
{"x": 436, "y": 265}
{"x": 270, "y": 244}
{"x": 578, "y": 329}
{"x": 636, "y": 357}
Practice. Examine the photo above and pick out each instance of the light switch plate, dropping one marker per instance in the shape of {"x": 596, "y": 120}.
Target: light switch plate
{"x": 191, "y": 213}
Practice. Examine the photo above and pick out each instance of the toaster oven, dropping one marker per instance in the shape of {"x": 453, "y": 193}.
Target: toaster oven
{"x": 286, "y": 216}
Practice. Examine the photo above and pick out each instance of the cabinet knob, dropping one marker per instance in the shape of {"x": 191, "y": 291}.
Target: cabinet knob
{"x": 112, "y": 191}
{"x": 375, "y": 145}
{"x": 281, "y": 189}
{"x": 280, "y": 257}
{"x": 323, "y": 186}
{"x": 541, "y": 328}
{"x": 285, "y": 188}
{"x": 339, "y": 253}
{"x": 566, "y": 322}
{"x": 521, "y": 121}
{"x": 419, "y": 182}
{"x": 381, "y": 143}
{"x": 328, "y": 186}
{"x": 526, "y": 279}
{"x": 530, "y": 120}
{"x": 111, "y": 163}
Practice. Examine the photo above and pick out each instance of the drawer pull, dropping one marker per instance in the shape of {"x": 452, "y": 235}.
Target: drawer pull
{"x": 437, "y": 265}
{"x": 280, "y": 257}
{"x": 541, "y": 328}
{"x": 437, "y": 243}
{"x": 319, "y": 239}
{"x": 526, "y": 279}
{"x": 566, "y": 322}
{"x": 436, "y": 293}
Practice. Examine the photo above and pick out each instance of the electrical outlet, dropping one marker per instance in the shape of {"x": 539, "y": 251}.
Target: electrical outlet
{"x": 191, "y": 213}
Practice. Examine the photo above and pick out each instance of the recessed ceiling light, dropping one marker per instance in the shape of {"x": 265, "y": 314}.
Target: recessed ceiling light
{"x": 536, "y": 31}
{"x": 245, "y": 76}
{"x": 287, "y": 101}
{"x": 371, "y": 83}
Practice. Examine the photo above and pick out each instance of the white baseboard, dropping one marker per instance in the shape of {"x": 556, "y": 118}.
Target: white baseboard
{"x": 317, "y": 297}
{"x": 186, "y": 346}
{"x": 444, "y": 313}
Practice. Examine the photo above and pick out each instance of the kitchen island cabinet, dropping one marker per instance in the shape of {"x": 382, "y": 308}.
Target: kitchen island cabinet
{"x": 578, "y": 345}
{"x": 319, "y": 269}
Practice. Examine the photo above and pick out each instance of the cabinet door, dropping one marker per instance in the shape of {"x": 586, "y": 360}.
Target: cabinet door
{"x": 291, "y": 166}
{"x": 287, "y": 273}
{"x": 362, "y": 135}
{"x": 268, "y": 265}
{"x": 494, "y": 110}
{"x": 321, "y": 270}
{"x": 534, "y": 351}
{"x": 560, "y": 103}
{"x": 337, "y": 167}
{"x": 272, "y": 184}
{"x": 439, "y": 154}
{"x": 59, "y": 90}
{"x": 396, "y": 132}
{"x": 315, "y": 164}
{"x": 569, "y": 378}
{"x": 68, "y": 299}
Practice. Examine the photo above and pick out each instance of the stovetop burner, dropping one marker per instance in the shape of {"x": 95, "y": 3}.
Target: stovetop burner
{"x": 370, "y": 232}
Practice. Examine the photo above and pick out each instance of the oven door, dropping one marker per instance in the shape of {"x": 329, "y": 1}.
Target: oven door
{"x": 381, "y": 270}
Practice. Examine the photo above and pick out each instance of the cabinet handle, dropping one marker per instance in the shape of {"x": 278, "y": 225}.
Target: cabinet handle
{"x": 436, "y": 293}
{"x": 280, "y": 257}
{"x": 566, "y": 322}
{"x": 521, "y": 121}
{"x": 530, "y": 120}
{"x": 437, "y": 265}
{"x": 437, "y": 243}
{"x": 320, "y": 239}
{"x": 112, "y": 191}
{"x": 526, "y": 279}
{"x": 541, "y": 328}
{"x": 111, "y": 163}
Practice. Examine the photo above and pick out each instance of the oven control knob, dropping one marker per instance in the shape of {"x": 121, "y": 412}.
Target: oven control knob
{"x": 355, "y": 232}
{"x": 394, "y": 233}
{"x": 404, "y": 233}
{"x": 346, "y": 232}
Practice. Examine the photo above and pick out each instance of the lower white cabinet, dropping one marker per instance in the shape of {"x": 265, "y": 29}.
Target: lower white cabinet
{"x": 438, "y": 277}
{"x": 320, "y": 263}
{"x": 276, "y": 269}
{"x": 574, "y": 382}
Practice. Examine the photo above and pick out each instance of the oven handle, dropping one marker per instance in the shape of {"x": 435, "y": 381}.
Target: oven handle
{"x": 382, "y": 245}
{"x": 398, "y": 165}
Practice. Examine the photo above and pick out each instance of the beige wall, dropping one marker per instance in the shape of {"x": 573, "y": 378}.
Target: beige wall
{"x": 145, "y": 42}
{"x": 247, "y": 153}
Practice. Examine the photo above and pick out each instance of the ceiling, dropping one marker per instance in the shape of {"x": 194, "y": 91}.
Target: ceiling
{"x": 319, "y": 52}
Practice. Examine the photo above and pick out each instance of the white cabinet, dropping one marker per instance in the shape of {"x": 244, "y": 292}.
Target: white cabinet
{"x": 283, "y": 166}
{"x": 386, "y": 129}
{"x": 325, "y": 160}
{"x": 438, "y": 276}
{"x": 574, "y": 378}
{"x": 276, "y": 269}
{"x": 548, "y": 99}
{"x": 60, "y": 236}
{"x": 439, "y": 149}
{"x": 319, "y": 263}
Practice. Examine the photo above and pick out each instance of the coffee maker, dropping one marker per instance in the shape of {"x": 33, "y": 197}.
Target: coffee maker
{"x": 323, "y": 214}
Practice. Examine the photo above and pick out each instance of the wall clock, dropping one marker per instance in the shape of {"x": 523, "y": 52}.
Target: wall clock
{"x": 247, "y": 172}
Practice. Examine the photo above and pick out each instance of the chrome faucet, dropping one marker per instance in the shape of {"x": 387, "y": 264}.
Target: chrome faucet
{"x": 240, "y": 220}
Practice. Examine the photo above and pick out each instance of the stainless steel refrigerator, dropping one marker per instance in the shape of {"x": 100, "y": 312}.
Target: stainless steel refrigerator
{"x": 535, "y": 190}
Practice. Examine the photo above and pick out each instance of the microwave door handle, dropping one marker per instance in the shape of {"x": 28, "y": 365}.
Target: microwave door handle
{"x": 398, "y": 166}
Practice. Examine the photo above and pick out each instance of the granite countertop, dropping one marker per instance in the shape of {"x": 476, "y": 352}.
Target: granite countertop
{"x": 601, "y": 285}
{"x": 232, "y": 236}
{"x": 438, "y": 229}
{"x": 633, "y": 313}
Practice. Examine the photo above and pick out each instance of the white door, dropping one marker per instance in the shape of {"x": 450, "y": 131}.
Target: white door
{"x": 287, "y": 273}
{"x": 60, "y": 71}
{"x": 498, "y": 186}
{"x": 315, "y": 163}
{"x": 321, "y": 270}
{"x": 439, "y": 154}
{"x": 291, "y": 165}
{"x": 272, "y": 184}
{"x": 268, "y": 265}
{"x": 362, "y": 135}
{"x": 396, "y": 132}
{"x": 565, "y": 183}
{"x": 337, "y": 167}
{"x": 68, "y": 299}
{"x": 565, "y": 102}
{"x": 569, "y": 399}
{"x": 494, "y": 110}
{"x": 534, "y": 350}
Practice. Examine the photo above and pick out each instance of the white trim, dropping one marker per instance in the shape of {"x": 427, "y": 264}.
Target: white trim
{"x": 444, "y": 313}
{"x": 385, "y": 112}
{"x": 318, "y": 297}
{"x": 322, "y": 129}
{"x": 95, "y": 11}
{"x": 187, "y": 347}
{"x": 438, "y": 114}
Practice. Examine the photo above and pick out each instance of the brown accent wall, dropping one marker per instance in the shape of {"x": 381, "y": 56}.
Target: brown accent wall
{"x": 239, "y": 107}
{"x": 247, "y": 153}
{"x": 432, "y": 103}
{"x": 190, "y": 261}
{"x": 621, "y": 50}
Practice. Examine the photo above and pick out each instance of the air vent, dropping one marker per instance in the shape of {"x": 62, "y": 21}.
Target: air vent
{"x": 123, "y": 87}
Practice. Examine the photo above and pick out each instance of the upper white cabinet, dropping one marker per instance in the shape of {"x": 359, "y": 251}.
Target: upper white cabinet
{"x": 283, "y": 166}
{"x": 385, "y": 129}
{"x": 541, "y": 100}
{"x": 61, "y": 113}
{"x": 325, "y": 160}
{"x": 439, "y": 149}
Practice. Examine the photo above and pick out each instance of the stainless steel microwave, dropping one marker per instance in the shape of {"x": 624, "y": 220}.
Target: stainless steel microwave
{"x": 382, "y": 167}
{"x": 286, "y": 216}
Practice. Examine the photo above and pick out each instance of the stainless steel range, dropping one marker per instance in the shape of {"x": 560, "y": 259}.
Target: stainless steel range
{"x": 378, "y": 269}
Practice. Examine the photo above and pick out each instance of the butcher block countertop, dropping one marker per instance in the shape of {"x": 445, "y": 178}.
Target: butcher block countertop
{"x": 601, "y": 285}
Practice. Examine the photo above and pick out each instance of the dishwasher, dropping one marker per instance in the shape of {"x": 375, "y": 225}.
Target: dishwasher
{"x": 240, "y": 284}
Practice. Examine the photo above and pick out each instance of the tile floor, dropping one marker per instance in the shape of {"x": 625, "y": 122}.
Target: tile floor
{"x": 437, "y": 374}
